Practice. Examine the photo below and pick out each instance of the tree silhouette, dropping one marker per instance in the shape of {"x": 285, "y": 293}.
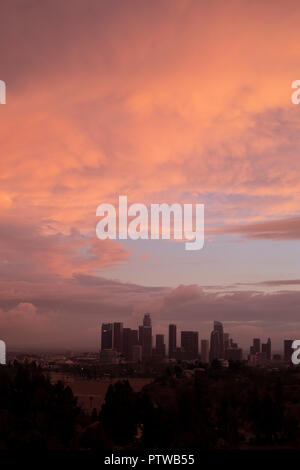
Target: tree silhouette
{"x": 119, "y": 414}
{"x": 33, "y": 412}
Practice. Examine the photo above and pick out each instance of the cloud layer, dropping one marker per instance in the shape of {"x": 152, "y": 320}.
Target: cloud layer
{"x": 170, "y": 101}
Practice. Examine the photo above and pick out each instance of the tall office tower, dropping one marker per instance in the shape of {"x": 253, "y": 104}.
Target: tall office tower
{"x": 127, "y": 343}
{"x": 107, "y": 336}
{"x": 130, "y": 339}
{"x": 288, "y": 350}
{"x": 217, "y": 342}
{"x": 218, "y": 326}
{"x": 205, "y": 351}
{"x": 172, "y": 340}
{"x": 141, "y": 335}
{"x": 118, "y": 337}
{"x": 256, "y": 345}
{"x": 134, "y": 337}
{"x": 189, "y": 344}
{"x": 145, "y": 337}
{"x": 269, "y": 349}
{"x": 160, "y": 347}
{"x": 214, "y": 346}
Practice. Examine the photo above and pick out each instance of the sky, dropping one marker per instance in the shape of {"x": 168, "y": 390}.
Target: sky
{"x": 180, "y": 101}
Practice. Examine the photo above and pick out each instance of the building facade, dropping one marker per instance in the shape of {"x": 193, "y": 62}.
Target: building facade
{"x": 172, "y": 341}
{"x": 106, "y": 336}
{"x": 189, "y": 345}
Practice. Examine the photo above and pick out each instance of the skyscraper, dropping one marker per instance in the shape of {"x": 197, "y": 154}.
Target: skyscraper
{"x": 256, "y": 345}
{"x": 205, "y": 351}
{"x": 134, "y": 337}
{"x": 266, "y": 349}
{"x": 288, "y": 350}
{"x": 269, "y": 349}
{"x": 130, "y": 339}
{"x": 118, "y": 336}
{"x": 172, "y": 340}
{"x": 127, "y": 343}
{"x": 217, "y": 342}
{"x": 214, "y": 346}
{"x": 160, "y": 347}
{"x": 145, "y": 337}
{"x": 147, "y": 320}
{"x": 189, "y": 344}
{"x": 218, "y": 326}
{"x": 106, "y": 336}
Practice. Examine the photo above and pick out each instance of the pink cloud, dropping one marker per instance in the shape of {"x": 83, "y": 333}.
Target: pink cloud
{"x": 178, "y": 101}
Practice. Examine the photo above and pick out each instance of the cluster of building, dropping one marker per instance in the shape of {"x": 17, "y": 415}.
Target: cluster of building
{"x": 119, "y": 344}
{"x": 130, "y": 345}
{"x": 261, "y": 353}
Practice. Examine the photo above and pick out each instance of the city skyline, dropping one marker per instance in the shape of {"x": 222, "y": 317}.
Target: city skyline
{"x": 179, "y": 327}
{"x": 184, "y": 344}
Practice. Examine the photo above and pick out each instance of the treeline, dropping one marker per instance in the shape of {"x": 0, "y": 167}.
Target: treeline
{"x": 219, "y": 410}
{"x": 215, "y": 410}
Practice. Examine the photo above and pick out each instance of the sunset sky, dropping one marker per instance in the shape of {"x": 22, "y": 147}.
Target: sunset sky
{"x": 185, "y": 101}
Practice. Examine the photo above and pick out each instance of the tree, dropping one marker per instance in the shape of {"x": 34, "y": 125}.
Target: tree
{"x": 118, "y": 413}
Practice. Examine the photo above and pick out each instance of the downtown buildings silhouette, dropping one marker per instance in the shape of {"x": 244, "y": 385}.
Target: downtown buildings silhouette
{"x": 119, "y": 344}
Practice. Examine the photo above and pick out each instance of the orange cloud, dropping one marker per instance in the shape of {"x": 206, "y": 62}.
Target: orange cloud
{"x": 170, "y": 101}
{"x": 203, "y": 105}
